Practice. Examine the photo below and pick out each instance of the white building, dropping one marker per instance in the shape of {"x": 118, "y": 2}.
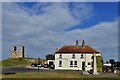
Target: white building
{"x": 75, "y": 57}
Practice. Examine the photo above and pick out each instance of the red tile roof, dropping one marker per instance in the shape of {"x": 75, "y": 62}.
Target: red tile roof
{"x": 77, "y": 49}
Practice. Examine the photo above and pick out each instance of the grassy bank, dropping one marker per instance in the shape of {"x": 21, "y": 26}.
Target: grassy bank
{"x": 15, "y": 62}
{"x": 18, "y": 62}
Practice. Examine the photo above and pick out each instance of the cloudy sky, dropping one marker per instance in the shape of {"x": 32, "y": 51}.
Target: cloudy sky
{"x": 42, "y": 27}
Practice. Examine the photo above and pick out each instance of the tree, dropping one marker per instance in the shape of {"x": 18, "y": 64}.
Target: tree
{"x": 39, "y": 60}
{"x": 118, "y": 64}
{"x": 107, "y": 62}
{"x": 50, "y": 56}
{"x": 99, "y": 60}
{"x": 112, "y": 61}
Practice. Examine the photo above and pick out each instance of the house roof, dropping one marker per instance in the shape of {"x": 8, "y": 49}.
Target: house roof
{"x": 77, "y": 49}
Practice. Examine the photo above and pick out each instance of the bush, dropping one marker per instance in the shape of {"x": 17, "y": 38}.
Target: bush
{"x": 99, "y": 69}
{"x": 99, "y": 60}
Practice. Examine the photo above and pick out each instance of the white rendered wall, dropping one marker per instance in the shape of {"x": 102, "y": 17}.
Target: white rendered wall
{"x": 66, "y": 58}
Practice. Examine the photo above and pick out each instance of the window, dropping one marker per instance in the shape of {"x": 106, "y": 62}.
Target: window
{"x": 75, "y": 63}
{"x": 88, "y": 63}
{"x": 73, "y": 56}
{"x": 60, "y": 63}
{"x": 60, "y": 56}
{"x": 71, "y": 63}
{"x": 82, "y": 56}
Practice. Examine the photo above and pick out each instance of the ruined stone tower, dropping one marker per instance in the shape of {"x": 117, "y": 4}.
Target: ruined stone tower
{"x": 17, "y": 53}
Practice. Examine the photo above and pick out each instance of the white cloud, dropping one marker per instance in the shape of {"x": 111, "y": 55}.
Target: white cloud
{"x": 103, "y": 37}
{"x": 42, "y": 33}
{"x": 78, "y": 10}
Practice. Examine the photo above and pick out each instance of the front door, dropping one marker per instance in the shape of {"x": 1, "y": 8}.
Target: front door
{"x": 83, "y": 66}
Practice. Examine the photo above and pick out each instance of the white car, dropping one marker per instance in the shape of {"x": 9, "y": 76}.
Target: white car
{"x": 39, "y": 65}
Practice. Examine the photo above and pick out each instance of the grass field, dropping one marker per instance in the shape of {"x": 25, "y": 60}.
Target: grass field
{"x": 61, "y": 74}
{"x": 69, "y": 74}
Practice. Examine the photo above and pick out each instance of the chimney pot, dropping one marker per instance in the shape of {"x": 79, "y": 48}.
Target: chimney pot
{"x": 83, "y": 43}
{"x": 76, "y": 42}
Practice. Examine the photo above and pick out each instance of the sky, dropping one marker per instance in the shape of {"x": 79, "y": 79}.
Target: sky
{"x": 42, "y": 27}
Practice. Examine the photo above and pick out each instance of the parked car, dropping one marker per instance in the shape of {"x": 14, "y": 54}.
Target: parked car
{"x": 51, "y": 66}
{"x": 34, "y": 65}
{"x": 46, "y": 66}
{"x": 40, "y": 65}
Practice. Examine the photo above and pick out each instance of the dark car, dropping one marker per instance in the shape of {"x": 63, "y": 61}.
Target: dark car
{"x": 46, "y": 66}
{"x": 34, "y": 65}
{"x": 51, "y": 66}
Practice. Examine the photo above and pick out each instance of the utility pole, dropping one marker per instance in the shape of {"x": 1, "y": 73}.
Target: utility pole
{"x": 38, "y": 63}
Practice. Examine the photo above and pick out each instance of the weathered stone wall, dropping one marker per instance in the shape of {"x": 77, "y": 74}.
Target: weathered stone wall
{"x": 17, "y": 53}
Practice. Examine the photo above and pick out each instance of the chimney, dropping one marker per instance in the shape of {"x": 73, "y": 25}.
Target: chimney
{"x": 57, "y": 49}
{"x": 83, "y": 43}
{"x": 76, "y": 42}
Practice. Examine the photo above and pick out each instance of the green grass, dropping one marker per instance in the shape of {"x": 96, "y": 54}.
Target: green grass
{"x": 66, "y": 74}
{"x": 14, "y": 62}
{"x": 18, "y": 61}
{"x": 0, "y": 63}
{"x": 59, "y": 74}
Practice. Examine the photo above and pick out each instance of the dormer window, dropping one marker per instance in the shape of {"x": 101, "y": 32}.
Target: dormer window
{"x": 60, "y": 56}
{"x": 89, "y": 63}
{"x": 73, "y": 56}
{"x": 81, "y": 56}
